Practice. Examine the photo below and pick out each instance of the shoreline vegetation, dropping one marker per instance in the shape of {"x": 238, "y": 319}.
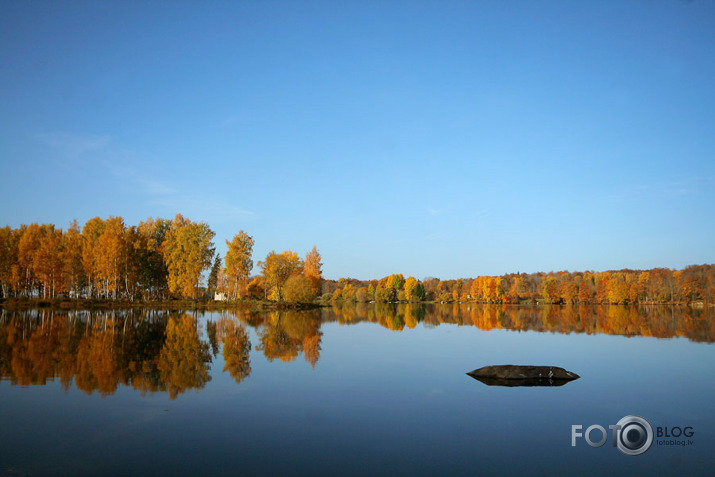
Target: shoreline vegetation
{"x": 24, "y": 303}
{"x": 172, "y": 264}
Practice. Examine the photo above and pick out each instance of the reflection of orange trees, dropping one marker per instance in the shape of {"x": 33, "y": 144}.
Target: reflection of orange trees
{"x": 386, "y": 315}
{"x": 101, "y": 351}
{"x": 275, "y": 342}
{"x": 32, "y": 360}
{"x": 142, "y": 342}
{"x": 236, "y": 349}
{"x": 311, "y": 348}
{"x": 349, "y": 311}
{"x": 658, "y": 321}
{"x": 485, "y": 317}
{"x": 392, "y": 322}
{"x": 154, "y": 351}
{"x": 284, "y": 334}
{"x": 410, "y": 319}
{"x": 97, "y": 360}
{"x": 184, "y": 359}
{"x": 390, "y": 315}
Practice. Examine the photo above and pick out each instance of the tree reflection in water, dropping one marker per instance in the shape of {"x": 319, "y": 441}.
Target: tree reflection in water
{"x": 184, "y": 359}
{"x": 236, "y": 349}
{"x": 160, "y": 351}
{"x": 284, "y": 334}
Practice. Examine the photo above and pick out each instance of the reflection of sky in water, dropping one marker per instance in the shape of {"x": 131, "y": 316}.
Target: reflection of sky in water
{"x": 381, "y": 402}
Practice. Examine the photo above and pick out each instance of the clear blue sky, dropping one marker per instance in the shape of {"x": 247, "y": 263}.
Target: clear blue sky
{"x": 447, "y": 139}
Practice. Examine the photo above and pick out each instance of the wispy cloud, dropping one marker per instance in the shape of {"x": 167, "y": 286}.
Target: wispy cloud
{"x": 230, "y": 121}
{"x": 433, "y": 212}
{"x": 154, "y": 187}
{"x": 73, "y": 145}
{"x": 661, "y": 190}
{"x": 138, "y": 174}
{"x": 163, "y": 193}
{"x": 240, "y": 118}
{"x": 143, "y": 173}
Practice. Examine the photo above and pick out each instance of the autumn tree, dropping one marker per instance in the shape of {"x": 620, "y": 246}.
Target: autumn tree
{"x": 152, "y": 271}
{"x": 131, "y": 263}
{"x": 188, "y": 251}
{"x": 476, "y": 289}
{"x": 39, "y": 259}
{"x": 396, "y": 281}
{"x": 385, "y": 295}
{"x": 255, "y": 288}
{"x": 314, "y": 269}
{"x": 110, "y": 255}
{"x": 617, "y": 290}
{"x": 298, "y": 289}
{"x": 277, "y": 268}
{"x": 602, "y": 288}
{"x": 73, "y": 273}
{"x": 643, "y": 286}
{"x": 568, "y": 291}
{"x": 550, "y": 290}
{"x": 28, "y": 247}
{"x": 238, "y": 262}
{"x": 585, "y": 293}
{"x": 47, "y": 261}
{"x": 9, "y": 240}
{"x": 409, "y": 287}
{"x": 91, "y": 232}
{"x": 361, "y": 295}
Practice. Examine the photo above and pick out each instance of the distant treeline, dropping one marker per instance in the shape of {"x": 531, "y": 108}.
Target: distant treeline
{"x": 161, "y": 259}
{"x": 694, "y": 284}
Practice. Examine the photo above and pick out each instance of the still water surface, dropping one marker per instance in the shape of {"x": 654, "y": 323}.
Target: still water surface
{"x": 367, "y": 390}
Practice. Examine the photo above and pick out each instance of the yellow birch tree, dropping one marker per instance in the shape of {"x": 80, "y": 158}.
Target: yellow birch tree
{"x": 188, "y": 251}
{"x": 238, "y": 263}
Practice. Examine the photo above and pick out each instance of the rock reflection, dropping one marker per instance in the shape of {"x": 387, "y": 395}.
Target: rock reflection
{"x": 514, "y": 383}
{"x": 522, "y": 375}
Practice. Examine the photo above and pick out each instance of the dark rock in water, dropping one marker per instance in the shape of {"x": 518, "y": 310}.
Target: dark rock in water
{"x": 512, "y": 375}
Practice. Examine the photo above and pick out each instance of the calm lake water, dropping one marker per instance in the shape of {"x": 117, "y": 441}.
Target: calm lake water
{"x": 366, "y": 390}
